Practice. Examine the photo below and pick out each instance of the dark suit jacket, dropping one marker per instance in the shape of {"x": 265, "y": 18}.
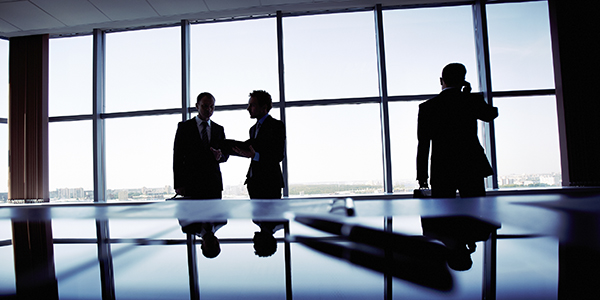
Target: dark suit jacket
{"x": 449, "y": 122}
{"x": 194, "y": 166}
{"x": 270, "y": 144}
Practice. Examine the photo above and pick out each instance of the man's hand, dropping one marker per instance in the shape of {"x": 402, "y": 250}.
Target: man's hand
{"x": 217, "y": 153}
{"x": 245, "y": 153}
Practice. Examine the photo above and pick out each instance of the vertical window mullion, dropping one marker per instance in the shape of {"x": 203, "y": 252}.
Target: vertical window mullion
{"x": 282, "y": 96}
{"x": 185, "y": 69}
{"x": 384, "y": 109}
{"x": 99, "y": 153}
{"x": 485, "y": 83}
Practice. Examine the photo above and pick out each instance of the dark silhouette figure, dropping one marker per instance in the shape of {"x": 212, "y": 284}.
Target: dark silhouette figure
{"x": 264, "y": 179}
{"x": 459, "y": 234}
{"x": 211, "y": 247}
{"x": 196, "y": 154}
{"x": 448, "y": 123}
{"x": 265, "y": 243}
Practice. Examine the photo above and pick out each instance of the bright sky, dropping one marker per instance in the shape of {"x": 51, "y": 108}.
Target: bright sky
{"x": 325, "y": 57}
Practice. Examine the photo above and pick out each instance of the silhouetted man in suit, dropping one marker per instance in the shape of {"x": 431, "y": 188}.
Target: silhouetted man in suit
{"x": 264, "y": 179}
{"x": 210, "y": 245}
{"x": 196, "y": 153}
{"x": 449, "y": 123}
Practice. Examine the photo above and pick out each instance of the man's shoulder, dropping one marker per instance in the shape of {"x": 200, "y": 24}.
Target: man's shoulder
{"x": 215, "y": 124}
{"x": 273, "y": 121}
{"x": 187, "y": 123}
{"x": 430, "y": 102}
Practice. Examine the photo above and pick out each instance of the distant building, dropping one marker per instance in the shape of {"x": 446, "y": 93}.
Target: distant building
{"x": 123, "y": 195}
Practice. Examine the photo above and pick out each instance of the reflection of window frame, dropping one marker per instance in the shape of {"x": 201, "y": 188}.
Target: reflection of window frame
{"x": 98, "y": 116}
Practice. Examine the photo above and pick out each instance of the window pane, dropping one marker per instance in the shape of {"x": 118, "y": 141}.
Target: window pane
{"x": 139, "y": 157}
{"x": 3, "y": 162}
{"x": 420, "y": 42}
{"x": 330, "y": 56}
{"x": 527, "y": 144}
{"x": 70, "y": 76}
{"x": 403, "y": 137}
{"x": 3, "y": 114}
{"x": 231, "y": 59}
{"x": 338, "y": 151}
{"x": 3, "y": 78}
{"x": 520, "y": 47}
{"x": 71, "y": 175}
{"x": 143, "y": 70}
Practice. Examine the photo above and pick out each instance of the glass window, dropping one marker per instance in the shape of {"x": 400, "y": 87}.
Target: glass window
{"x": 143, "y": 70}
{"x": 520, "y": 46}
{"x": 337, "y": 152}
{"x": 403, "y": 139}
{"x": 3, "y": 114}
{"x": 330, "y": 56}
{"x": 139, "y": 157}
{"x": 3, "y": 78}
{"x": 420, "y": 42}
{"x": 3, "y": 162}
{"x": 527, "y": 146}
{"x": 70, "y": 76}
{"x": 231, "y": 59}
{"x": 71, "y": 175}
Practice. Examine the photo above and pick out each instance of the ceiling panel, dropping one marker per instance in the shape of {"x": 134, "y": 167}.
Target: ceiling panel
{"x": 69, "y": 17}
{"x": 78, "y": 12}
{"x": 6, "y": 27}
{"x": 230, "y": 5}
{"x": 178, "y": 7}
{"x": 279, "y": 2}
{"x": 125, "y": 10}
{"x": 26, "y": 16}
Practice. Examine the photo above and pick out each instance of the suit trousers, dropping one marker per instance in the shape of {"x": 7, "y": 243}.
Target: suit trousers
{"x": 467, "y": 187}
{"x": 263, "y": 190}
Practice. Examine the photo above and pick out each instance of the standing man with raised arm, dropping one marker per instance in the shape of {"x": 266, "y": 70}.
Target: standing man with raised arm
{"x": 449, "y": 123}
{"x": 264, "y": 179}
{"x": 197, "y": 155}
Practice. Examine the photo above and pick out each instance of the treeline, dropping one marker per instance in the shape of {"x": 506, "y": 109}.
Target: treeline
{"x": 326, "y": 189}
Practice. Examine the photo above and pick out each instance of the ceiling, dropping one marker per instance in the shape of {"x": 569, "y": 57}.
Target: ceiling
{"x": 69, "y": 17}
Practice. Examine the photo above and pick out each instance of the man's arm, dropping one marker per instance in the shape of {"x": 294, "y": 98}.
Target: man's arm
{"x": 178, "y": 159}
{"x": 423, "y": 147}
{"x": 483, "y": 110}
{"x": 219, "y": 155}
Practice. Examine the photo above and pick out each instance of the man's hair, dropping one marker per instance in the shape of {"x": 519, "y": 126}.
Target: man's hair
{"x": 454, "y": 74}
{"x": 263, "y": 98}
{"x": 202, "y": 95}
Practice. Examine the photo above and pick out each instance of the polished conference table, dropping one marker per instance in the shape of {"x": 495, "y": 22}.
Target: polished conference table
{"x": 543, "y": 246}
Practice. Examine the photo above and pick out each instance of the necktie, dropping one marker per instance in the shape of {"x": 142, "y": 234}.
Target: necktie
{"x": 204, "y": 133}
{"x": 256, "y": 130}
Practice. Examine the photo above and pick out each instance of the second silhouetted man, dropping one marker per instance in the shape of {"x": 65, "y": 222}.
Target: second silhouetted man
{"x": 264, "y": 179}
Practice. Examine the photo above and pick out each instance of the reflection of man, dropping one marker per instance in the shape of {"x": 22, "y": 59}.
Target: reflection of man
{"x": 211, "y": 247}
{"x": 196, "y": 154}
{"x": 459, "y": 234}
{"x": 265, "y": 243}
{"x": 267, "y": 141}
{"x": 449, "y": 122}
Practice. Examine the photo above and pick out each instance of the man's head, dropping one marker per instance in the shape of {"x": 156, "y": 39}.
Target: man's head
{"x": 205, "y": 103}
{"x": 211, "y": 247}
{"x": 259, "y": 104}
{"x": 453, "y": 75}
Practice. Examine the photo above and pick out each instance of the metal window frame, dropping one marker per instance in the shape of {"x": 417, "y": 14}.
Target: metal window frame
{"x": 479, "y": 25}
